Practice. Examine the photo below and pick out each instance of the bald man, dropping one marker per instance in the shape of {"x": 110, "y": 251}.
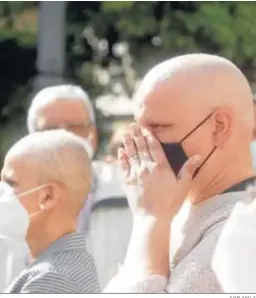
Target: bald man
{"x": 44, "y": 182}
{"x": 202, "y": 105}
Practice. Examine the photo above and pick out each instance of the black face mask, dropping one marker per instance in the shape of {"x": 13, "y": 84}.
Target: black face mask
{"x": 177, "y": 157}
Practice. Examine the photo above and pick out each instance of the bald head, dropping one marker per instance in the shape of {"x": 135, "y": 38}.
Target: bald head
{"x": 177, "y": 95}
{"x": 52, "y": 156}
{"x": 201, "y": 66}
{"x": 200, "y": 81}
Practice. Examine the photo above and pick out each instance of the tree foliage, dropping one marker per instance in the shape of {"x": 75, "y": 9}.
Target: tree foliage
{"x": 132, "y": 35}
{"x": 113, "y": 43}
{"x": 157, "y": 30}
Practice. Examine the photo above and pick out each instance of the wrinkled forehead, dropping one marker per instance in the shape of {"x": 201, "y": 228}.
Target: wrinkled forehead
{"x": 62, "y": 112}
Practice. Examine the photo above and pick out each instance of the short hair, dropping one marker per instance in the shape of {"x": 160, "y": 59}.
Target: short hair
{"x": 59, "y": 92}
{"x": 58, "y": 155}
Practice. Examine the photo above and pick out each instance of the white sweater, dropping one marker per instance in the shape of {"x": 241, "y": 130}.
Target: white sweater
{"x": 234, "y": 260}
{"x": 13, "y": 256}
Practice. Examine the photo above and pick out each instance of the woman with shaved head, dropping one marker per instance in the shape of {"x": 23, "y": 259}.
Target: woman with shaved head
{"x": 44, "y": 182}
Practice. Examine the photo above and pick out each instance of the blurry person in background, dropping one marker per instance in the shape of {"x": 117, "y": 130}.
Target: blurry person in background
{"x": 69, "y": 107}
{"x": 45, "y": 182}
{"x": 253, "y": 143}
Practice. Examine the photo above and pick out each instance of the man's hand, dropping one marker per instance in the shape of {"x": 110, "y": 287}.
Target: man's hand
{"x": 155, "y": 195}
{"x": 150, "y": 184}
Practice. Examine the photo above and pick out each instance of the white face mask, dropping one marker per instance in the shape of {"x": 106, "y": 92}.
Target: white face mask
{"x": 14, "y": 218}
{"x": 253, "y": 152}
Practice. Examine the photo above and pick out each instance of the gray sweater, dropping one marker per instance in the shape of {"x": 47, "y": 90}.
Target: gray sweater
{"x": 194, "y": 235}
{"x": 193, "y": 239}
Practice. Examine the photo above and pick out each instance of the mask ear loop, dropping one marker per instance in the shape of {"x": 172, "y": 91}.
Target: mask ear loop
{"x": 27, "y": 192}
{"x": 212, "y": 151}
{"x": 208, "y": 156}
{"x": 193, "y": 130}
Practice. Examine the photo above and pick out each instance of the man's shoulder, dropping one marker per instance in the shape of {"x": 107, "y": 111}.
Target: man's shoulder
{"x": 191, "y": 253}
{"x": 71, "y": 269}
{"x": 73, "y": 264}
{"x": 45, "y": 282}
{"x": 192, "y": 272}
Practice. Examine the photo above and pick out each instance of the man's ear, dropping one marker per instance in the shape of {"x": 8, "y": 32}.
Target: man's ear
{"x": 223, "y": 124}
{"x": 50, "y": 196}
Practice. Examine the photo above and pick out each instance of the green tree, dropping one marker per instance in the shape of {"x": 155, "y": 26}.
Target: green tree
{"x": 158, "y": 30}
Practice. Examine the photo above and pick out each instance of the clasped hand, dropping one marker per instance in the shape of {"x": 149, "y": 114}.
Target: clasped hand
{"x": 150, "y": 184}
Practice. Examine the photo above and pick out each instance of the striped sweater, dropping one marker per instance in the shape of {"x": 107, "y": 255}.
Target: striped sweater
{"x": 65, "y": 267}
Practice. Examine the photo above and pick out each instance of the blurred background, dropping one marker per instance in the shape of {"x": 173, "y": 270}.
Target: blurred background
{"x": 106, "y": 47}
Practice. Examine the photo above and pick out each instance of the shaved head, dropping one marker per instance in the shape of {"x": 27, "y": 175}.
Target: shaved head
{"x": 50, "y": 173}
{"x": 54, "y": 156}
{"x": 201, "y": 82}
{"x": 178, "y": 94}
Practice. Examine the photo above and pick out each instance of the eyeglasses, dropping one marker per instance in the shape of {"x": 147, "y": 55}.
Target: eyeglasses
{"x": 67, "y": 126}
